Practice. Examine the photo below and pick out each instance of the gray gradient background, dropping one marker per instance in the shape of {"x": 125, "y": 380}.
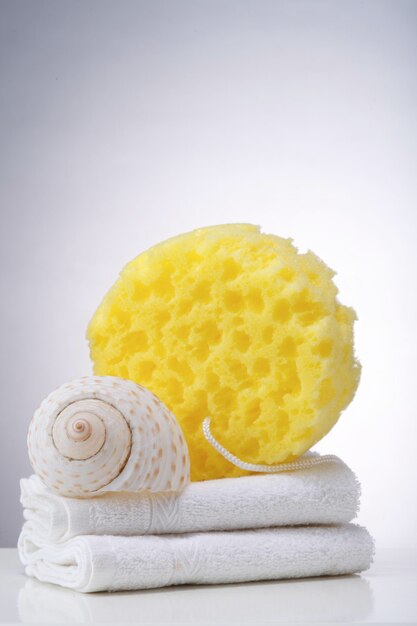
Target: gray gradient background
{"x": 123, "y": 123}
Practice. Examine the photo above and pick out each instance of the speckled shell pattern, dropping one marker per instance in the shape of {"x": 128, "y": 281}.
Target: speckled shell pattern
{"x": 102, "y": 433}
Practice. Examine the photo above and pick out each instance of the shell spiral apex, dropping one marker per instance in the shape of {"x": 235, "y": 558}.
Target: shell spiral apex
{"x": 103, "y": 433}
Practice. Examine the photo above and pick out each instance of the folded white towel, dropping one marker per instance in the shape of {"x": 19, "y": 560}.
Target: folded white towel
{"x": 322, "y": 494}
{"x": 98, "y": 563}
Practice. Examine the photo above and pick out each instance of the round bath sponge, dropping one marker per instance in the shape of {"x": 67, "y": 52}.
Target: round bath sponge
{"x": 231, "y": 323}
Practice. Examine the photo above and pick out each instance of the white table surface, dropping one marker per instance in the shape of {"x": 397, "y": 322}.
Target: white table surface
{"x": 386, "y": 593}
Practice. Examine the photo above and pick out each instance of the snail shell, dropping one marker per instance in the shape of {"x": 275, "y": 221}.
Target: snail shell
{"x": 103, "y": 433}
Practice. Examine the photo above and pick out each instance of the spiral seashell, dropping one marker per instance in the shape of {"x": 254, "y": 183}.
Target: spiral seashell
{"x": 103, "y": 433}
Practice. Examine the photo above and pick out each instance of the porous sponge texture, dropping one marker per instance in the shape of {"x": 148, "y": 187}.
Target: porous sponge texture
{"x": 231, "y": 323}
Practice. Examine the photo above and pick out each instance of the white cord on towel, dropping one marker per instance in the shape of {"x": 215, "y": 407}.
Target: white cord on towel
{"x": 253, "y": 467}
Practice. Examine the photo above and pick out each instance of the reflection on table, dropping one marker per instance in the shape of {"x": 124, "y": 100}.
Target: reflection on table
{"x": 337, "y": 598}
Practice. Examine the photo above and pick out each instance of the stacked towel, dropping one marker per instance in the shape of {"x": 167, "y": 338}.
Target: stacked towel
{"x": 285, "y": 525}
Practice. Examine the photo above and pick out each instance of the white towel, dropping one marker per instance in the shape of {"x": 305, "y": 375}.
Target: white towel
{"x": 322, "y": 494}
{"x": 97, "y": 563}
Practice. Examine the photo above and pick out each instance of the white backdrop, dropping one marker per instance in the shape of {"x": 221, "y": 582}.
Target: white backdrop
{"x": 124, "y": 123}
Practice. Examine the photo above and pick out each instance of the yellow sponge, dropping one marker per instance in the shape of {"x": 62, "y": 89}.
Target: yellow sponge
{"x": 234, "y": 324}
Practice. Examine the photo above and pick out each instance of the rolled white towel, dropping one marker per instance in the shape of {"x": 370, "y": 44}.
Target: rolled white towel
{"x": 98, "y": 563}
{"x": 326, "y": 493}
